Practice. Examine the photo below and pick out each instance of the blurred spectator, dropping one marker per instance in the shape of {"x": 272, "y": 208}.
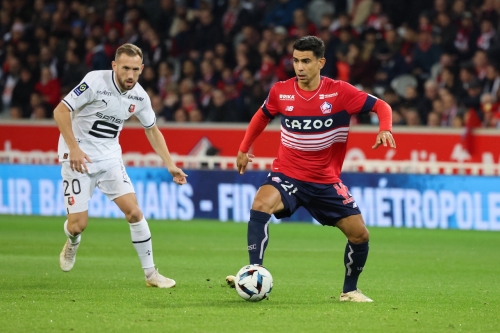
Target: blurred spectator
{"x": 466, "y": 37}
{"x": 95, "y": 58}
{"x": 180, "y": 116}
{"x": 23, "y": 89}
{"x": 300, "y": 21}
{"x": 412, "y": 117}
{"x": 424, "y": 106}
{"x": 433, "y": 119}
{"x": 72, "y": 71}
{"x": 221, "y": 110}
{"x": 317, "y": 8}
{"x": 208, "y": 32}
{"x": 195, "y": 116}
{"x": 9, "y": 80}
{"x": 359, "y": 11}
{"x": 425, "y": 54}
{"x": 492, "y": 79}
{"x": 48, "y": 87}
{"x": 391, "y": 65}
{"x": 281, "y": 12}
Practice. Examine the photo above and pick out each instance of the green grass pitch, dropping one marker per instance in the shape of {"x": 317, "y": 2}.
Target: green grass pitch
{"x": 421, "y": 280}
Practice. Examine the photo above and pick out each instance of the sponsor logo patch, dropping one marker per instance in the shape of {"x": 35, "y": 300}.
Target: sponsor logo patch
{"x": 276, "y": 179}
{"x": 326, "y": 108}
{"x": 322, "y": 96}
{"x": 287, "y": 97}
{"x": 80, "y": 89}
{"x": 289, "y": 108}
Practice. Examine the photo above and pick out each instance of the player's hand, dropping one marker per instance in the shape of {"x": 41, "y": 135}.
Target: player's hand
{"x": 77, "y": 160}
{"x": 242, "y": 160}
{"x": 383, "y": 138}
{"x": 178, "y": 174}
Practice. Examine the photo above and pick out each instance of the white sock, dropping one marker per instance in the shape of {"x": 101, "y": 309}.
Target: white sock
{"x": 72, "y": 239}
{"x": 141, "y": 238}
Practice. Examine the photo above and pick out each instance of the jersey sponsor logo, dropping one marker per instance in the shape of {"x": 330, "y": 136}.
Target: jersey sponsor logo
{"x": 325, "y": 96}
{"x": 110, "y": 118}
{"x": 287, "y": 97}
{"x": 276, "y": 179}
{"x": 326, "y": 108}
{"x": 289, "y": 108}
{"x": 104, "y": 92}
{"x": 80, "y": 89}
{"x": 308, "y": 124}
{"x": 131, "y": 108}
{"x": 135, "y": 98}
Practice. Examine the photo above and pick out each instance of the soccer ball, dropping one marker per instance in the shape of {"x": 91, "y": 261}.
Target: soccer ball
{"x": 253, "y": 283}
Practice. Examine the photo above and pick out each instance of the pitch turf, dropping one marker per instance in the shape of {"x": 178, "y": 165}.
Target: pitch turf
{"x": 421, "y": 280}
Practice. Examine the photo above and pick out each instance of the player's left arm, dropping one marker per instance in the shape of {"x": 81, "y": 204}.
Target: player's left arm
{"x": 159, "y": 145}
{"x": 357, "y": 101}
{"x": 384, "y": 113}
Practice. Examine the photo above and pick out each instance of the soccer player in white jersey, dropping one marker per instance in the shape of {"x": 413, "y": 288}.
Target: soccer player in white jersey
{"x": 90, "y": 119}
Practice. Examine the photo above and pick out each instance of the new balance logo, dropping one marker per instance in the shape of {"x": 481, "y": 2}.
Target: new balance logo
{"x": 289, "y": 108}
{"x": 322, "y": 96}
{"x": 287, "y": 97}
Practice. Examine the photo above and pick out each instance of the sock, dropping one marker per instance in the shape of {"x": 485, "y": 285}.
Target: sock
{"x": 257, "y": 236}
{"x": 72, "y": 239}
{"x": 354, "y": 261}
{"x": 141, "y": 238}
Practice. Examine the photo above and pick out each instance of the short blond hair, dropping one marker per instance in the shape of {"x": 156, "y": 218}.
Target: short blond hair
{"x": 129, "y": 49}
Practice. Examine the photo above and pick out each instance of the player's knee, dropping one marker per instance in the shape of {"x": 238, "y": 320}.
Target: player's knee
{"x": 134, "y": 214}
{"x": 76, "y": 226}
{"x": 263, "y": 206}
{"x": 360, "y": 237}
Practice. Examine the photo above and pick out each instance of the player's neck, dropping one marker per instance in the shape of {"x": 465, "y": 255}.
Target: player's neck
{"x": 122, "y": 90}
{"x": 311, "y": 85}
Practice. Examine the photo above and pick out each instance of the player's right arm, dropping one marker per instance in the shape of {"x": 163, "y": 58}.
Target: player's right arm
{"x": 77, "y": 157}
{"x": 258, "y": 123}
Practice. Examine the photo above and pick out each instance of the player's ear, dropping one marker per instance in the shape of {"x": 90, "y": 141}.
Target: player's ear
{"x": 322, "y": 62}
{"x": 142, "y": 67}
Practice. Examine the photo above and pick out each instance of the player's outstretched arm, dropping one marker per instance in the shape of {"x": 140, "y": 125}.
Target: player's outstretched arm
{"x": 77, "y": 157}
{"x": 257, "y": 125}
{"x": 159, "y": 145}
{"x": 384, "y": 114}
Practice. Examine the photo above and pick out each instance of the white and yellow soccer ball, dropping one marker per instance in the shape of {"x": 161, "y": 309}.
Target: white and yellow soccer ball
{"x": 254, "y": 283}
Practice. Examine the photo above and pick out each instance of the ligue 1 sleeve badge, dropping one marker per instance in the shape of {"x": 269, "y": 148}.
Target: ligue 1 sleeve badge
{"x": 131, "y": 108}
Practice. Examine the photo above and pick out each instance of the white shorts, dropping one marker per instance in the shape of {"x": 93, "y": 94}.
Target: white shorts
{"x": 109, "y": 176}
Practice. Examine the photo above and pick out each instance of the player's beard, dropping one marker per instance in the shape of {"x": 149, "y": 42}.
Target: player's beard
{"x": 124, "y": 86}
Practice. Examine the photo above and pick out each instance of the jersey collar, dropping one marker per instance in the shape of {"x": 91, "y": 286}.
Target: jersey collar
{"x": 116, "y": 86}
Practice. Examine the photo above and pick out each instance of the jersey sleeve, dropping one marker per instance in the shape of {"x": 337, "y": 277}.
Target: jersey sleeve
{"x": 356, "y": 101}
{"x": 82, "y": 95}
{"x": 270, "y": 106}
{"x": 147, "y": 116}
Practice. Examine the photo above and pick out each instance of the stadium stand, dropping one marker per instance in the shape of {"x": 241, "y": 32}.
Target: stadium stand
{"x": 214, "y": 61}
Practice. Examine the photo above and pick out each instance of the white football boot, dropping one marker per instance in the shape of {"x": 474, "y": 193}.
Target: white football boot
{"x": 231, "y": 280}
{"x": 354, "y": 296}
{"x": 159, "y": 281}
{"x": 67, "y": 257}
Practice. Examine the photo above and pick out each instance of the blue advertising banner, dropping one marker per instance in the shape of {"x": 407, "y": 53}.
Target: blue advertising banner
{"x": 386, "y": 200}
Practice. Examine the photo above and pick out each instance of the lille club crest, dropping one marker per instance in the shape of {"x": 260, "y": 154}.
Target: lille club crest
{"x": 131, "y": 108}
{"x": 326, "y": 108}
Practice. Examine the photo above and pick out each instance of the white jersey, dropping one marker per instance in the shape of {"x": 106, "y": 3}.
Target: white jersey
{"x": 98, "y": 111}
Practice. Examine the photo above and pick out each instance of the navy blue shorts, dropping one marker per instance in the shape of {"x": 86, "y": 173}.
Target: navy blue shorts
{"x": 327, "y": 203}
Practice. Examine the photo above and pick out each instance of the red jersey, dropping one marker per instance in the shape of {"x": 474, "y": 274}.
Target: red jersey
{"x": 314, "y": 127}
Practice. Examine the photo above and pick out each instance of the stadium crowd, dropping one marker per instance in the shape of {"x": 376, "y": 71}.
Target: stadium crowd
{"x": 436, "y": 62}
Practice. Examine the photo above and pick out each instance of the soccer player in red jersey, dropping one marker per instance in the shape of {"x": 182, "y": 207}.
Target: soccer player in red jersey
{"x": 315, "y": 114}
